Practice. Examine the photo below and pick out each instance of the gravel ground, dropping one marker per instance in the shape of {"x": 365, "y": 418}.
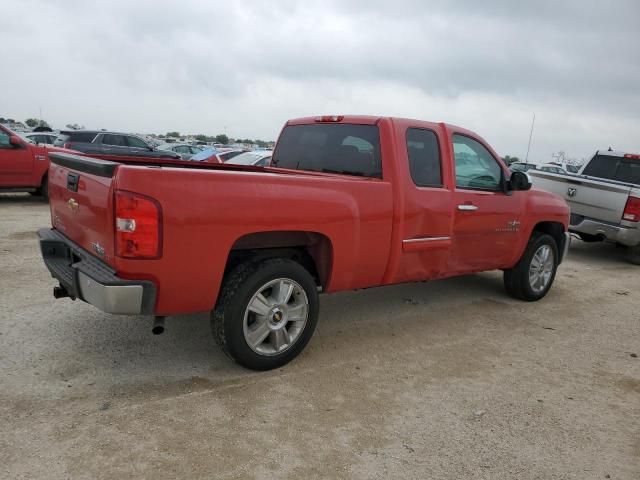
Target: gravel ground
{"x": 443, "y": 380}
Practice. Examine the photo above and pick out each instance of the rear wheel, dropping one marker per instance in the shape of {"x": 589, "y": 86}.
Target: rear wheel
{"x": 266, "y": 313}
{"x": 44, "y": 188}
{"x": 533, "y": 275}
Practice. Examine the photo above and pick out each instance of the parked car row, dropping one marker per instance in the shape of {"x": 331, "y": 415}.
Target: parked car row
{"x": 24, "y": 159}
{"x": 110, "y": 143}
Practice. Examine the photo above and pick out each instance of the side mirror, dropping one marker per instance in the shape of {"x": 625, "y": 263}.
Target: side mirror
{"x": 15, "y": 141}
{"x": 519, "y": 181}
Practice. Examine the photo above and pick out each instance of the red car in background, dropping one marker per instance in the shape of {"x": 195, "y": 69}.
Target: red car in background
{"x": 24, "y": 165}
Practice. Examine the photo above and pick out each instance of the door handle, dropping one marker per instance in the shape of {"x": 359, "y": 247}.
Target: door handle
{"x": 467, "y": 207}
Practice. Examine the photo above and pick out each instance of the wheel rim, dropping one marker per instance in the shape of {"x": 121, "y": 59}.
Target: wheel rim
{"x": 275, "y": 317}
{"x": 541, "y": 268}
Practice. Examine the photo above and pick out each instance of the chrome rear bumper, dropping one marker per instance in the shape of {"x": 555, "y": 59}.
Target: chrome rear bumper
{"x": 614, "y": 233}
{"x": 85, "y": 277}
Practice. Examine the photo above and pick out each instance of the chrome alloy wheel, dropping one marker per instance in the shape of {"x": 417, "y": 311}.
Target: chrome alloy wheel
{"x": 275, "y": 316}
{"x": 541, "y": 268}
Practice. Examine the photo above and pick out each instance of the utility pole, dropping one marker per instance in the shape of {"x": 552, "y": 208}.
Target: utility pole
{"x": 526, "y": 159}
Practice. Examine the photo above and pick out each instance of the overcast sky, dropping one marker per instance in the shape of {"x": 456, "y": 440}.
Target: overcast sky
{"x": 245, "y": 67}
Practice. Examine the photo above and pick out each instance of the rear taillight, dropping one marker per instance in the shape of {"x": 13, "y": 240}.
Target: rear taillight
{"x": 632, "y": 210}
{"x": 66, "y": 145}
{"x": 138, "y": 226}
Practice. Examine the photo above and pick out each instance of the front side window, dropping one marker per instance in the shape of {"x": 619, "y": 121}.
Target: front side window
{"x": 424, "y": 157}
{"x": 135, "y": 142}
{"x": 476, "y": 169}
{"x": 182, "y": 149}
{"x": 330, "y": 147}
{"x": 4, "y": 139}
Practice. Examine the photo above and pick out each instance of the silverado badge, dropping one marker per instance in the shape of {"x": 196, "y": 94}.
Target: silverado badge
{"x": 73, "y": 205}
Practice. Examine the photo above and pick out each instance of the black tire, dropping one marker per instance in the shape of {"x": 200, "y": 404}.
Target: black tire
{"x": 44, "y": 189}
{"x": 516, "y": 280}
{"x": 633, "y": 254}
{"x": 227, "y": 318}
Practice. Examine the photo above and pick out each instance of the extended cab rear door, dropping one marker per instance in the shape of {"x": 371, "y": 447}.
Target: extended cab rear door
{"x": 426, "y": 223}
{"x": 486, "y": 220}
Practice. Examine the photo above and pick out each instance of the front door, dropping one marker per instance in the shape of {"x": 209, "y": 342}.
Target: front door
{"x": 486, "y": 220}
{"x": 16, "y": 162}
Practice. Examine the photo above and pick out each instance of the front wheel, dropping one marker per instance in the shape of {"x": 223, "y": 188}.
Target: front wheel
{"x": 533, "y": 275}
{"x": 266, "y": 313}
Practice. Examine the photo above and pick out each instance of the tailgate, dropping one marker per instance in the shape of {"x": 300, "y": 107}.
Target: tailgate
{"x": 80, "y": 199}
{"x": 597, "y": 199}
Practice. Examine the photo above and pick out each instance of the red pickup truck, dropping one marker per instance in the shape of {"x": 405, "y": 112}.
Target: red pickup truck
{"x": 23, "y": 165}
{"x": 348, "y": 202}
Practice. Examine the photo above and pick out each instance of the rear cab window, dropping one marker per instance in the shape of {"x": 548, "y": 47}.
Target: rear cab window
{"x": 342, "y": 148}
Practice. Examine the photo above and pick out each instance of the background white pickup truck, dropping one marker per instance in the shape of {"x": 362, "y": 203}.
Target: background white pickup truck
{"x": 604, "y": 199}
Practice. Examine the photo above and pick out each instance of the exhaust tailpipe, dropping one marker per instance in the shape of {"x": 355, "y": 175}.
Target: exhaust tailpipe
{"x": 158, "y": 326}
{"x": 60, "y": 292}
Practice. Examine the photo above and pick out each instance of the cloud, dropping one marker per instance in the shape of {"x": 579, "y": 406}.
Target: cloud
{"x": 152, "y": 66}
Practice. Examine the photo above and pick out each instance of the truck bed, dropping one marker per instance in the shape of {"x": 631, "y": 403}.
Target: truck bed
{"x": 588, "y": 197}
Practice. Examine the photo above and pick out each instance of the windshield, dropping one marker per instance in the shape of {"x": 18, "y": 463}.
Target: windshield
{"x": 328, "y": 147}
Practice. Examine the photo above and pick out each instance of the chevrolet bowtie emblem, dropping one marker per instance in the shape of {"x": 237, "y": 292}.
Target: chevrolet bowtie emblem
{"x": 73, "y": 205}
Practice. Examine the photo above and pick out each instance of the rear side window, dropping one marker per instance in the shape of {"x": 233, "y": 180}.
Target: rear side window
{"x": 602, "y": 166}
{"x": 332, "y": 148}
{"x": 82, "y": 137}
{"x": 116, "y": 140}
{"x": 424, "y": 157}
